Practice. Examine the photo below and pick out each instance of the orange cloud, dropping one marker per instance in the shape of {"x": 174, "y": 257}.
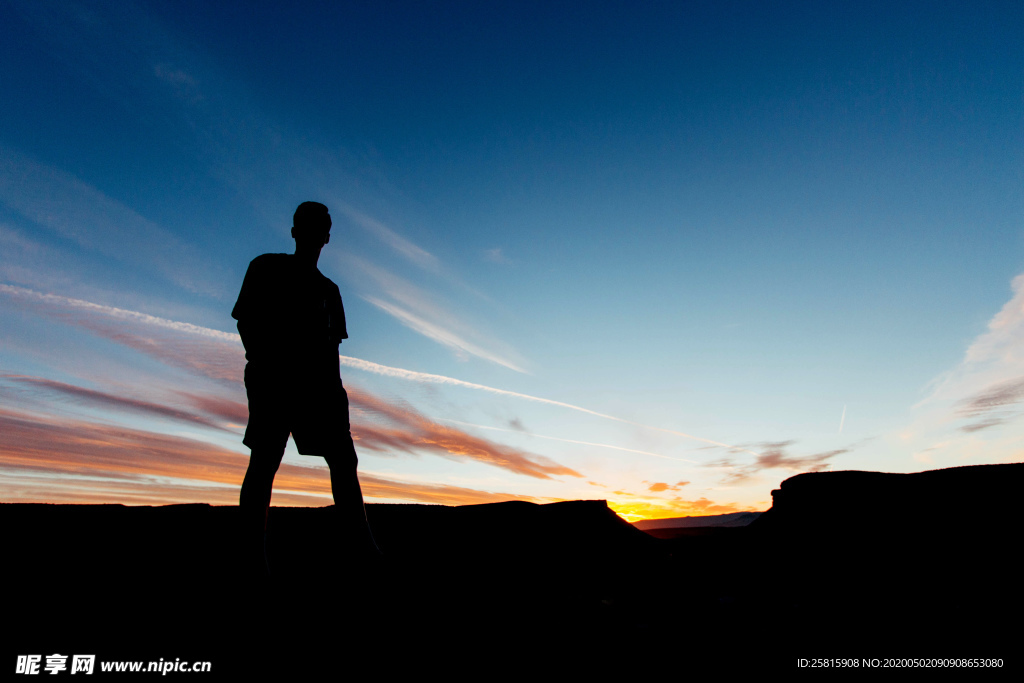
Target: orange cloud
{"x": 411, "y": 431}
{"x": 416, "y": 432}
{"x": 22, "y": 487}
{"x": 219, "y": 360}
{"x": 71, "y": 446}
{"x": 233, "y": 412}
{"x": 661, "y": 486}
{"x": 50, "y": 460}
{"x": 375, "y": 487}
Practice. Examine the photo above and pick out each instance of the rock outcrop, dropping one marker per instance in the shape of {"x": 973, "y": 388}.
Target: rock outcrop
{"x": 924, "y": 562}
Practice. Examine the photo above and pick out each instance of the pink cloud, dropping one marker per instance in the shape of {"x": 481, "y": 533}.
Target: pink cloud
{"x": 412, "y": 431}
{"x": 100, "y": 399}
{"x": 50, "y": 460}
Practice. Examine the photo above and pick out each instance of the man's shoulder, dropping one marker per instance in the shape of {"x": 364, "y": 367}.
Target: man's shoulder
{"x": 328, "y": 282}
{"x": 270, "y": 260}
{"x": 263, "y": 272}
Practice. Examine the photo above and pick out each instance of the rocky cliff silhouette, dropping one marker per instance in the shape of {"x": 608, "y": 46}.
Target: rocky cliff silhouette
{"x": 920, "y": 562}
{"x": 853, "y": 564}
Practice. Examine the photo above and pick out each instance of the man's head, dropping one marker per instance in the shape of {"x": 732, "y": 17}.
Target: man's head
{"x": 311, "y": 223}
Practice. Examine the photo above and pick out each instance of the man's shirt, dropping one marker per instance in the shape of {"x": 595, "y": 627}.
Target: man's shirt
{"x": 290, "y": 317}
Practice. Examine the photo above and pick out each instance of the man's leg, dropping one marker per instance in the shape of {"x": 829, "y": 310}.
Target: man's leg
{"x": 254, "y": 503}
{"x": 348, "y": 504}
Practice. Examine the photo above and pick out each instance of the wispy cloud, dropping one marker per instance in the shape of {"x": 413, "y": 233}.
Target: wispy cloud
{"x": 520, "y": 430}
{"x": 403, "y": 247}
{"x": 210, "y": 353}
{"x": 405, "y": 431}
{"x": 996, "y": 354}
{"x": 122, "y": 50}
{"x": 439, "y": 334}
{"x": 55, "y": 302}
{"x": 72, "y": 209}
{"x": 495, "y": 255}
{"x": 423, "y": 313}
{"x": 773, "y": 455}
{"x": 27, "y": 261}
{"x": 182, "y": 83}
{"x": 981, "y": 424}
{"x": 218, "y": 354}
{"x": 427, "y": 378}
{"x": 995, "y": 397}
{"x": 994, "y": 405}
{"x": 101, "y": 399}
{"x": 232, "y": 412}
{"x": 985, "y": 388}
{"x": 411, "y": 432}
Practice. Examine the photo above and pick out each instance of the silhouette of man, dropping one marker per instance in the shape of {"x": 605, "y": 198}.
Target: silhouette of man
{"x": 291, "y": 320}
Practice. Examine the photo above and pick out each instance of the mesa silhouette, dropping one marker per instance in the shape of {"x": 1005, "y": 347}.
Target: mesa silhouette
{"x": 859, "y": 564}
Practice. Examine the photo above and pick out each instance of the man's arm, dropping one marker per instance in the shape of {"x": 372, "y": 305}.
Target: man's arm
{"x": 336, "y": 327}
{"x": 250, "y": 310}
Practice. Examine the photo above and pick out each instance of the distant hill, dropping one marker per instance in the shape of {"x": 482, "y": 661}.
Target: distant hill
{"x": 731, "y": 519}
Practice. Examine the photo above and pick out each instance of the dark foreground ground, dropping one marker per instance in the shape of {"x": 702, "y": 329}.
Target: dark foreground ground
{"x": 852, "y": 565}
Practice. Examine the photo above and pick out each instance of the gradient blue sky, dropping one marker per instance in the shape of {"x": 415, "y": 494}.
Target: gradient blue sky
{"x": 722, "y": 243}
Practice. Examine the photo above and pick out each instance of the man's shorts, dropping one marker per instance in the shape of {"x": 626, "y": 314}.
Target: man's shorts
{"x": 313, "y": 410}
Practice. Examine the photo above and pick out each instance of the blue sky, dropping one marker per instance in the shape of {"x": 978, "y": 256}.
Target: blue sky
{"x": 586, "y": 251}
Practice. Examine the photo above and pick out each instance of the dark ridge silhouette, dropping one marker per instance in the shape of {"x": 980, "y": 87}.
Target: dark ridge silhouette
{"x": 845, "y": 564}
{"x": 921, "y": 562}
{"x": 691, "y": 532}
{"x": 852, "y": 499}
{"x": 137, "y": 582}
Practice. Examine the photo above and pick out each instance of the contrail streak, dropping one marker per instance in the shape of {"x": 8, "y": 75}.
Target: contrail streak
{"x": 414, "y": 376}
{"x": 119, "y": 313}
{"x": 842, "y": 419}
{"x": 585, "y": 443}
{"x": 357, "y": 363}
